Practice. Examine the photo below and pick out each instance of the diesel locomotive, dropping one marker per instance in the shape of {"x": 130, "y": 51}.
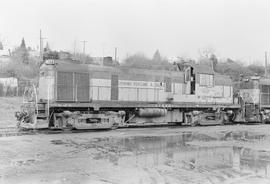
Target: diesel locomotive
{"x": 88, "y": 96}
{"x": 254, "y": 95}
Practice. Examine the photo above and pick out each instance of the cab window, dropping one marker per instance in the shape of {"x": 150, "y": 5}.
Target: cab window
{"x": 206, "y": 80}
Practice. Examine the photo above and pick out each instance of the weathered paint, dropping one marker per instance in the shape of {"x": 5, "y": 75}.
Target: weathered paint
{"x": 82, "y": 87}
{"x": 150, "y": 86}
{"x": 100, "y": 89}
{"x": 114, "y": 87}
{"x": 250, "y": 95}
{"x": 47, "y": 78}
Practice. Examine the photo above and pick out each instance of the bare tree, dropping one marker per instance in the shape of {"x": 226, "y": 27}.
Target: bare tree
{"x": 139, "y": 60}
{"x": 206, "y": 52}
{"x": 157, "y": 56}
{"x": 208, "y": 56}
{"x": 2, "y": 42}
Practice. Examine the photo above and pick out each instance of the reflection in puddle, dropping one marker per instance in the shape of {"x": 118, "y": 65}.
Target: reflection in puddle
{"x": 217, "y": 163}
{"x": 250, "y": 160}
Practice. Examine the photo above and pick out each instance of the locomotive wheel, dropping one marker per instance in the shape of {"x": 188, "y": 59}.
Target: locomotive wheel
{"x": 195, "y": 123}
{"x": 225, "y": 119}
{"x": 191, "y": 120}
{"x": 263, "y": 121}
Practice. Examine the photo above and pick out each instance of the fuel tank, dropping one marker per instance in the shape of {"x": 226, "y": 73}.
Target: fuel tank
{"x": 152, "y": 112}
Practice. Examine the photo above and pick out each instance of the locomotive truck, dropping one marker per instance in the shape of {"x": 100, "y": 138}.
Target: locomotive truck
{"x": 88, "y": 96}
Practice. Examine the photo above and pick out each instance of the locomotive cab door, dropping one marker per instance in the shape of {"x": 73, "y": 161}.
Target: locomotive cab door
{"x": 193, "y": 81}
{"x": 190, "y": 81}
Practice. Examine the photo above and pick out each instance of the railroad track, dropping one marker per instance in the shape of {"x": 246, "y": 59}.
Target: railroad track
{"x": 13, "y": 131}
{"x": 9, "y": 132}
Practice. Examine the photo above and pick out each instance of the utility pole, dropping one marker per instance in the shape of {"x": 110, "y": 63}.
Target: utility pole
{"x": 266, "y": 71}
{"x": 74, "y": 48}
{"x": 115, "y": 54}
{"x": 84, "y": 42}
{"x": 41, "y": 45}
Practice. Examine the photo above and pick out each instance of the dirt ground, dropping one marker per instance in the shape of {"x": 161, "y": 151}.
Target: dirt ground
{"x": 214, "y": 154}
{"x": 208, "y": 154}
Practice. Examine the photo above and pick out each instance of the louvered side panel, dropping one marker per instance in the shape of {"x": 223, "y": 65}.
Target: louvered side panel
{"x": 65, "y": 86}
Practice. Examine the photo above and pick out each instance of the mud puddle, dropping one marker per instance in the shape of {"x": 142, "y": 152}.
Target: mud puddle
{"x": 176, "y": 154}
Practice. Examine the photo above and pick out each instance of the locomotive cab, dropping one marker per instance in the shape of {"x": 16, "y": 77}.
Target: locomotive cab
{"x": 206, "y": 86}
{"x": 190, "y": 80}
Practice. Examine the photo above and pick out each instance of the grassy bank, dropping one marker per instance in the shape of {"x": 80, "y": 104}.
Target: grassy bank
{"x": 9, "y": 105}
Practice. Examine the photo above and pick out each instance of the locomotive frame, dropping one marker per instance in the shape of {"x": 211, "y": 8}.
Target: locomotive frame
{"x": 92, "y": 97}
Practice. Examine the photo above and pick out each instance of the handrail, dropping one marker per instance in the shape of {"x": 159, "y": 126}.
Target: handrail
{"x": 36, "y": 97}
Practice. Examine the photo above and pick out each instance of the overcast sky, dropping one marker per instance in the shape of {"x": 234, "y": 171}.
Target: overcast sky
{"x": 238, "y": 29}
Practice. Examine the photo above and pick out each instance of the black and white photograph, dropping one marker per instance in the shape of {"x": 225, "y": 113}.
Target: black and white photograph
{"x": 134, "y": 92}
